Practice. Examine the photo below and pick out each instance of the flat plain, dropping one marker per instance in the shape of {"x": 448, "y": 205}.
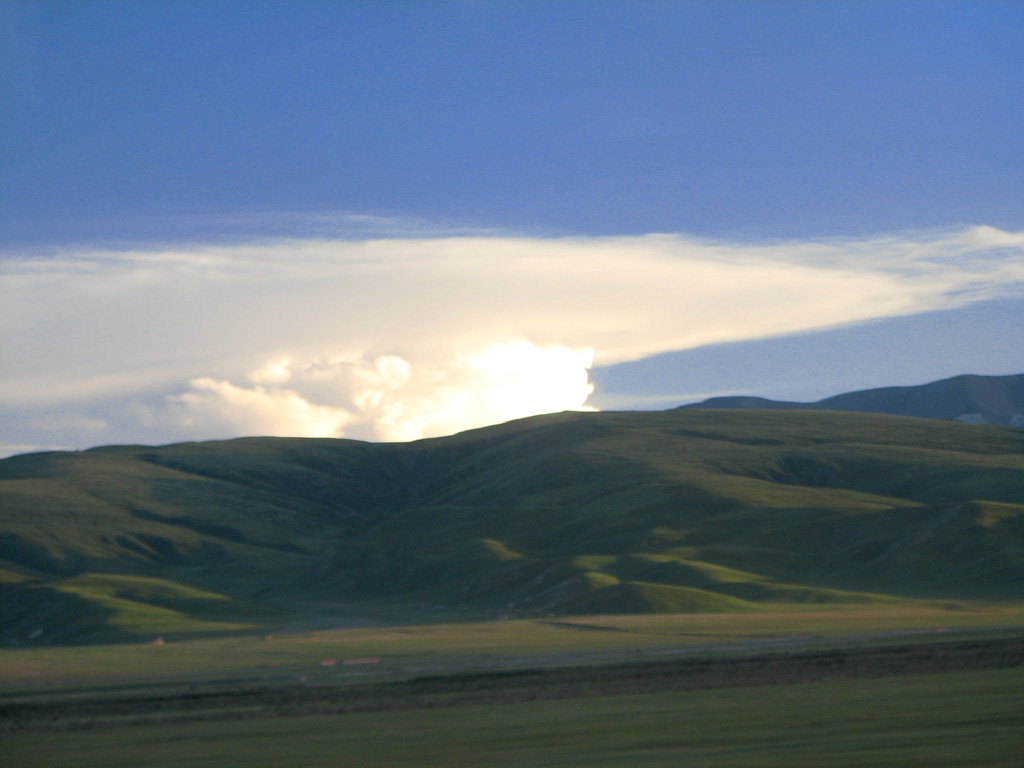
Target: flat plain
{"x": 956, "y": 719}
{"x": 864, "y": 687}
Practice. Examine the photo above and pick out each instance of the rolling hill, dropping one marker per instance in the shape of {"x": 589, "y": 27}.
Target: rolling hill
{"x": 687, "y": 510}
{"x": 973, "y": 399}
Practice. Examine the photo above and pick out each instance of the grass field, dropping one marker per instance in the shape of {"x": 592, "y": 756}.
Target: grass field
{"x": 275, "y": 701}
{"x": 485, "y": 643}
{"x": 954, "y": 719}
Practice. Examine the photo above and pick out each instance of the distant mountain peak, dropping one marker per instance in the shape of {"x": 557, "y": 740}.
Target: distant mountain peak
{"x": 969, "y": 398}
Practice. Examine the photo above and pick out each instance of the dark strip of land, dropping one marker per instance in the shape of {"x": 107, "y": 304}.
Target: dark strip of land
{"x": 763, "y": 669}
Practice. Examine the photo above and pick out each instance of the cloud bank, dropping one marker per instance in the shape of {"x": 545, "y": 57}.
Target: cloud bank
{"x": 401, "y": 338}
{"x": 389, "y": 398}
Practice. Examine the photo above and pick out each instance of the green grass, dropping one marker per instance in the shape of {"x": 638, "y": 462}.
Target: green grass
{"x": 611, "y": 536}
{"x": 482, "y": 642}
{"x": 645, "y": 597}
{"x": 100, "y": 585}
{"x": 598, "y": 580}
{"x": 144, "y": 606}
{"x": 947, "y": 720}
{"x": 992, "y": 513}
{"x": 10, "y": 577}
{"x": 501, "y": 551}
{"x": 548, "y": 516}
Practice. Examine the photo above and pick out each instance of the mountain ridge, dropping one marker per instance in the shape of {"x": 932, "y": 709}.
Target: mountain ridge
{"x": 686, "y": 510}
{"x": 970, "y": 398}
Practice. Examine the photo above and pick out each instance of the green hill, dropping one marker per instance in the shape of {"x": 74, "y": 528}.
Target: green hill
{"x": 973, "y": 399}
{"x": 684, "y": 510}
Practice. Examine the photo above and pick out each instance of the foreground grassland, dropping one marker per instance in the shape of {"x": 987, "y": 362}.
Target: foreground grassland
{"x": 952, "y": 719}
{"x": 489, "y": 644}
{"x": 857, "y": 687}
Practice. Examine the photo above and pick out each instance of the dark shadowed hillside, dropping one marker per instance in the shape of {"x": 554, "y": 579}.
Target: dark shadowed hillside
{"x": 975, "y": 399}
{"x": 685, "y": 510}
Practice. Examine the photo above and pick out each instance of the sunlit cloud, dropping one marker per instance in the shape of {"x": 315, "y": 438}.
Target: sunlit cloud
{"x": 390, "y": 399}
{"x": 400, "y": 338}
{"x": 240, "y": 410}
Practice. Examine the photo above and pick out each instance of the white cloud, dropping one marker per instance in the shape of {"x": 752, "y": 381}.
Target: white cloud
{"x": 274, "y": 372}
{"x": 396, "y": 338}
{"x": 391, "y": 399}
{"x": 240, "y": 410}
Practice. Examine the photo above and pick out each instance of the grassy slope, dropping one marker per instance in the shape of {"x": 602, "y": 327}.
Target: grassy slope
{"x": 570, "y": 513}
{"x": 997, "y": 399}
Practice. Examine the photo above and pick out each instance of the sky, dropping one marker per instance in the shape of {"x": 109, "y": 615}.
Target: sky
{"x": 395, "y": 220}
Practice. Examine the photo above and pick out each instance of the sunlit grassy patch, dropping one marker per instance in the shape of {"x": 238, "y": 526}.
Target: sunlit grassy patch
{"x": 145, "y": 606}
{"x": 992, "y": 513}
{"x": 501, "y": 551}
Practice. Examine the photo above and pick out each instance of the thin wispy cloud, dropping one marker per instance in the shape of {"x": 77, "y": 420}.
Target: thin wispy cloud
{"x": 399, "y": 338}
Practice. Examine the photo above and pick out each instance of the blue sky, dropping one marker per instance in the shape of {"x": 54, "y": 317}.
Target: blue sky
{"x": 723, "y": 118}
{"x": 860, "y": 162}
